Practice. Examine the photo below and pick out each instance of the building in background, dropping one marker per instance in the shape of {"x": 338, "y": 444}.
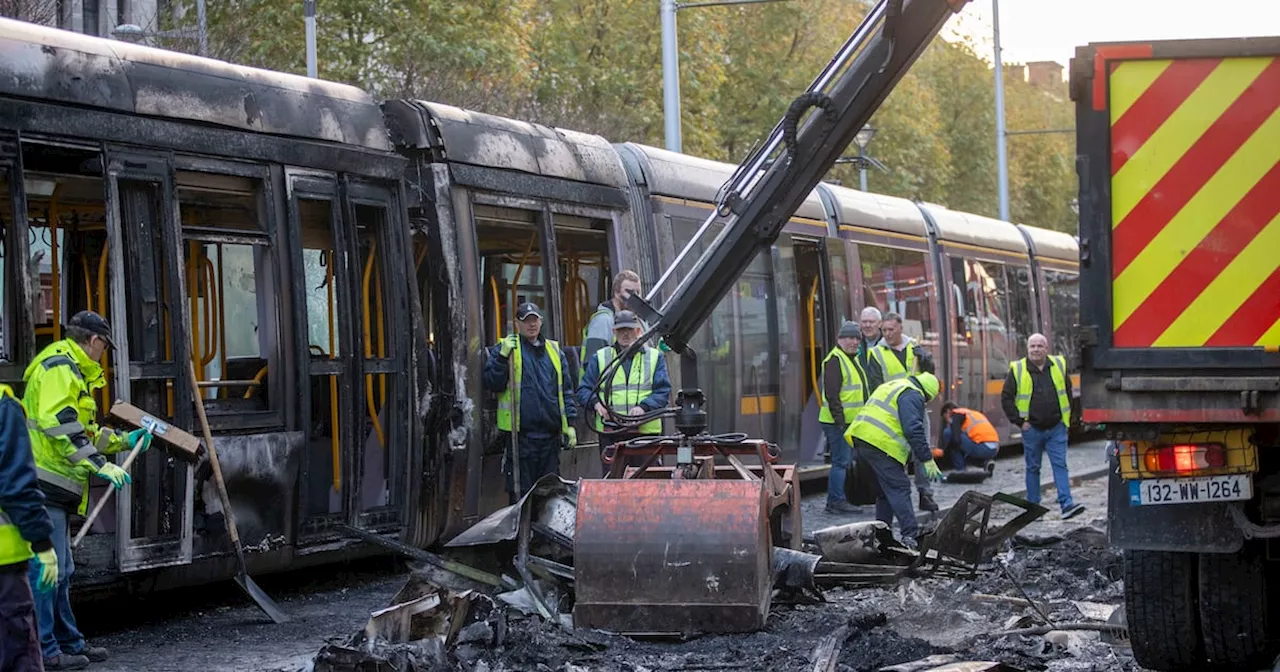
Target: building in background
{"x": 91, "y": 17}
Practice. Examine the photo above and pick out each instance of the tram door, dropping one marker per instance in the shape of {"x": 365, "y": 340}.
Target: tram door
{"x": 154, "y": 515}
{"x": 811, "y": 339}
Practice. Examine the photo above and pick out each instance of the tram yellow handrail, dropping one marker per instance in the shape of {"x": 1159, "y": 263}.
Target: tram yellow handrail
{"x": 370, "y": 405}
{"x": 813, "y": 337}
{"x": 382, "y": 337}
{"x": 257, "y": 378}
{"x": 497, "y": 307}
{"x": 102, "y": 310}
{"x": 212, "y": 324}
{"x": 219, "y": 278}
{"x": 88, "y": 282}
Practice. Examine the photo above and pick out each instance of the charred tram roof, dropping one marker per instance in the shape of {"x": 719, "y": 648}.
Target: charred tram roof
{"x": 56, "y": 79}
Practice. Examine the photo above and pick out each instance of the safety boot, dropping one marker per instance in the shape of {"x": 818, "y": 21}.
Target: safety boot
{"x": 840, "y": 506}
{"x": 927, "y": 503}
{"x": 66, "y": 661}
{"x": 95, "y": 654}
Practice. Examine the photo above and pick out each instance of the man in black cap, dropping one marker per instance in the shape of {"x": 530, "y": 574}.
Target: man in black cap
{"x": 639, "y": 385}
{"x": 535, "y": 399}
{"x": 844, "y": 389}
{"x": 69, "y": 447}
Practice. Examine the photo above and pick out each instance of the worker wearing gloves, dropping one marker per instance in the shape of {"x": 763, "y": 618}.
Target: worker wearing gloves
{"x": 887, "y": 431}
{"x": 25, "y": 532}
{"x": 969, "y": 435}
{"x": 639, "y": 385}
{"x": 69, "y": 447}
{"x": 535, "y": 400}
{"x": 896, "y": 357}
{"x": 844, "y": 388}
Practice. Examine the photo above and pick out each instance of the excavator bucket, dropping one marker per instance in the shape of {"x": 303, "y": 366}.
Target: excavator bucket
{"x": 679, "y": 556}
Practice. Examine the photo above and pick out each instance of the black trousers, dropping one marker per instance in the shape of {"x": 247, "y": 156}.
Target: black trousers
{"x": 539, "y": 456}
{"x": 19, "y": 637}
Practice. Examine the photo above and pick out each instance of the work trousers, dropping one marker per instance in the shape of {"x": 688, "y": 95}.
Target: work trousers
{"x": 539, "y": 456}
{"x": 1037, "y": 442}
{"x": 841, "y": 460}
{"x": 19, "y": 637}
{"x": 893, "y": 496}
{"x": 58, "y": 631}
{"x": 968, "y": 448}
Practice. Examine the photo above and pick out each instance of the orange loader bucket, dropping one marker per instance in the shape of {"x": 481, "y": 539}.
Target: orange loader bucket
{"x": 654, "y": 556}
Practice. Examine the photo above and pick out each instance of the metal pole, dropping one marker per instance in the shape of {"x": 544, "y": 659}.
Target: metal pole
{"x": 309, "y": 6}
{"x": 203, "y": 28}
{"x": 670, "y": 77}
{"x": 1002, "y": 159}
{"x": 862, "y": 168}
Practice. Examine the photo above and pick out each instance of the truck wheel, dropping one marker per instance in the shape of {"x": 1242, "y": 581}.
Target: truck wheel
{"x": 1233, "y": 609}
{"x": 1160, "y": 605}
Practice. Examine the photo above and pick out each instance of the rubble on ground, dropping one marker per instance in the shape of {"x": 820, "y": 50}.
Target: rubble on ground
{"x": 852, "y": 601}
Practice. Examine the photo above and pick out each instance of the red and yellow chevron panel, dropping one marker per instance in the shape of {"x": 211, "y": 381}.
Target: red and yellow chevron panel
{"x": 1195, "y": 202}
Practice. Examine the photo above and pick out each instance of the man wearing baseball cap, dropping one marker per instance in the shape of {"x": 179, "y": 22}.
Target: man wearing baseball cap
{"x": 535, "y": 399}
{"x": 69, "y": 447}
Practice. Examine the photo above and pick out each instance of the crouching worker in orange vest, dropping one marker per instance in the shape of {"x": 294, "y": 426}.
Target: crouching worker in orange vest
{"x": 969, "y": 436}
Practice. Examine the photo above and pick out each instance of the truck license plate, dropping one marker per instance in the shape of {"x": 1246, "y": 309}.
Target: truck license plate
{"x": 1190, "y": 490}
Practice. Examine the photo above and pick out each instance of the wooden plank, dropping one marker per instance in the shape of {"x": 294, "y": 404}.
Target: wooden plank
{"x": 188, "y": 445}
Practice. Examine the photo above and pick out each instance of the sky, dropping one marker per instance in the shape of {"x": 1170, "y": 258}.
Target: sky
{"x": 1050, "y": 30}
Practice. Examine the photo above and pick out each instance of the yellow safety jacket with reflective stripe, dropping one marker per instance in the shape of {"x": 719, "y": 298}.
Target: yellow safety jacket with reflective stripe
{"x": 878, "y": 423}
{"x": 893, "y": 369}
{"x": 1057, "y": 371}
{"x": 510, "y": 397}
{"x": 13, "y": 548}
{"x": 60, "y": 407}
{"x": 623, "y": 395}
{"x": 852, "y": 394}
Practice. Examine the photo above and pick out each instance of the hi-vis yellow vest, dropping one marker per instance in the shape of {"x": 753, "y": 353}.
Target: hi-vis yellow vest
{"x": 852, "y": 393}
{"x": 889, "y": 364}
{"x": 623, "y": 395}
{"x": 13, "y": 548}
{"x": 505, "y": 403}
{"x": 878, "y": 423}
{"x": 1057, "y": 371}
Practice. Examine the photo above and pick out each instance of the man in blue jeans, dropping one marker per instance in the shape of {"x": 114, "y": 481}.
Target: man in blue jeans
{"x": 1037, "y": 398}
{"x": 844, "y": 388}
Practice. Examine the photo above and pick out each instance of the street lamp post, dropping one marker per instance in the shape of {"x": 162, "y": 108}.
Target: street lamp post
{"x": 671, "y": 63}
{"x": 1002, "y": 158}
{"x": 309, "y": 10}
{"x": 862, "y": 139}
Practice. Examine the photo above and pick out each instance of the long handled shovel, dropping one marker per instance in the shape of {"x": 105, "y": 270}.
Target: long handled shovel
{"x": 102, "y": 503}
{"x": 242, "y": 578}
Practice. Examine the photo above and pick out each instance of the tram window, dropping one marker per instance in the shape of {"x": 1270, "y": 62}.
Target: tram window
{"x": 1064, "y": 312}
{"x": 713, "y": 341}
{"x": 1022, "y": 315}
{"x": 510, "y": 249}
{"x": 318, "y": 261}
{"x": 582, "y": 248}
{"x": 990, "y": 279}
{"x": 66, "y": 241}
{"x": 897, "y": 281}
{"x": 229, "y": 296}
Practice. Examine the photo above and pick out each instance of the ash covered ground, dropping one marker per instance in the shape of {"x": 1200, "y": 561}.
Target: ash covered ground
{"x": 1065, "y": 567}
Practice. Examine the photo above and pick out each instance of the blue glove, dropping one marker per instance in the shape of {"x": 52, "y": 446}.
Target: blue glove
{"x": 112, "y": 472}
{"x": 48, "y": 561}
{"x": 132, "y": 439}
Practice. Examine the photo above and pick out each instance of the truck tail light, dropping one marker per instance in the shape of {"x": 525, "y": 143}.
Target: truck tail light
{"x": 1185, "y": 458}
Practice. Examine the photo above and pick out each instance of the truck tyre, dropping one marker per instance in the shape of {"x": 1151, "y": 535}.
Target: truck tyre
{"x": 1160, "y": 605}
{"x": 1233, "y": 609}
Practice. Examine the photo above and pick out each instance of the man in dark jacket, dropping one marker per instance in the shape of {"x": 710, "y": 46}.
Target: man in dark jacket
{"x": 1037, "y": 398}
{"x": 25, "y": 531}
{"x": 535, "y": 399}
{"x": 599, "y": 331}
{"x": 639, "y": 384}
{"x": 844, "y": 389}
{"x": 869, "y": 322}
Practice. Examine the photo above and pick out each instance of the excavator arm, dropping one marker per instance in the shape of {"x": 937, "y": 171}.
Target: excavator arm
{"x": 769, "y": 186}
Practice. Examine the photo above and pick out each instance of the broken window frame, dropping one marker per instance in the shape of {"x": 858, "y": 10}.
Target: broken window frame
{"x": 125, "y": 164}
{"x": 323, "y": 186}
{"x": 275, "y": 417}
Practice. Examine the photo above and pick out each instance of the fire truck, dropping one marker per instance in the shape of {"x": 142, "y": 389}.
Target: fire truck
{"x": 1179, "y": 167}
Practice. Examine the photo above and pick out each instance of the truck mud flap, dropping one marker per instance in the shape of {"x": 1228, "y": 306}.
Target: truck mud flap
{"x": 1188, "y": 528}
